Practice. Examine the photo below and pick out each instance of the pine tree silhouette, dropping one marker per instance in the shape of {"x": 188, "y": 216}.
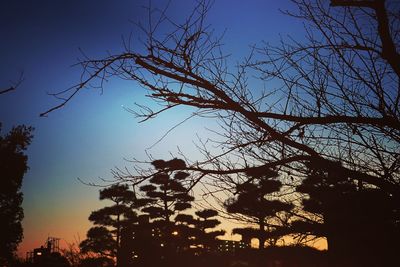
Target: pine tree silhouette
{"x": 167, "y": 197}
{"x": 252, "y": 202}
{"x": 105, "y": 239}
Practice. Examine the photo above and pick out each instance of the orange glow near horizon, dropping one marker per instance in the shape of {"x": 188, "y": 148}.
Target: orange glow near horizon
{"x": 94, "y": 133}
{"x": 73, "y": 235}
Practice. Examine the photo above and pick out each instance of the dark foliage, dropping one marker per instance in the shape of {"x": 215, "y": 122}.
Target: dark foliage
{"x": 166, "y": 197}
{"x": 99, "y": 240}
{"x": 105, "y": 239}
{"x": 13, "y": 166}
{"x": 253, "y": 203}
{"x": 356, "y": 220}
{"x": 205, "y": 222}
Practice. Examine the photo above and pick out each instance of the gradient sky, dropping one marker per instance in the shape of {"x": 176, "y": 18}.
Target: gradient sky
{"x": 93, "y": 134}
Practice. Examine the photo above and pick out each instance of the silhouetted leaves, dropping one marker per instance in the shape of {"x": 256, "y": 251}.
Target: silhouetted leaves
{"x": 159, "y": 178}
{"x": 148, "y": 188}
{"x": 159, "y": 164}
{"x": 165, "y": 193}
{"x": 105, "y": 239}
{"x": 204, "y": 223}
{"x": 99, "y": 240}
{"x": 118, "y": 193}
{"x": 206, "y": 213}
{"x": 13, "y": 166}
{"x": 252, "y": 202}
{"x": 181, "y": 175}
{"x": 174, "y": 164}
{"x": 184, "y": 218}
{"x": 349, "y": 213}
{"x": 182, "y": 206}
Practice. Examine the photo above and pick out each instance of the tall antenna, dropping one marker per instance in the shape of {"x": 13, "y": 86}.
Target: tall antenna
{"x": 53, "y": 244}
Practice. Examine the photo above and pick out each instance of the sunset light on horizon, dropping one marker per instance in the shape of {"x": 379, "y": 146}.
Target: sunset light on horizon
{"x": 284, "y": 129}
{"x": 44, "y": 41}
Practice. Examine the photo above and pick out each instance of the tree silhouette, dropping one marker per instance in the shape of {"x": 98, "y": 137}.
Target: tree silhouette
{"x": 13, "y": 166}
{"x": 332, "y": 99}
{"x": 206, "y": 221}
{"x": 345, "y": 213}
{"x": 166, "y": 198}
{"x": 246, "y": 233}
{"x": 252, "y": 201}
{"x": 339, "y": 84}
{"x": 99, "y": 240}
{"x": 106, "y": 238}
{"x": 185, "y": 234}
{"x": 145, "y": 242}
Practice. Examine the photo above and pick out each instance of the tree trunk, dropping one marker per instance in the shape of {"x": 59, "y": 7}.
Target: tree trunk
{"x": 261, "y": 238}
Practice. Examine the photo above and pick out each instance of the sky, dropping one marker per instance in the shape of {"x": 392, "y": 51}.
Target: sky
{"x": 94, "y": 133}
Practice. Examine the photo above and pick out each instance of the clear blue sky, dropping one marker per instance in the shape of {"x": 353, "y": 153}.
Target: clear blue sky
{"x": 94, "y": 133}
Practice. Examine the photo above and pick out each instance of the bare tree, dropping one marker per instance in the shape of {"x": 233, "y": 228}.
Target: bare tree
{"x": 331, "y": 100}
{"x": 338, "y": 98}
